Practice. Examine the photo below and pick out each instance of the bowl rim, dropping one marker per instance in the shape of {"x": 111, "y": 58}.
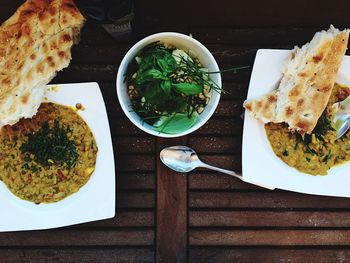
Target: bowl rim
{"x": 120, "y": 84}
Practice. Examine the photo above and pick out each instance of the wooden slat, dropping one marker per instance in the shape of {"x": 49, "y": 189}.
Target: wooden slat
{"x": 90, "y": 255}
{"x": 78, "y": 238}
{"x": 247, "y": 13}
{"x": 77, "y": 72}
{"x": 222, "y": 127}
{"x": 226, "y": 108}
{"x": 93, "y": 34}
{"x": 230, "y": 109}
{"x": 247, "y": 36}
{"x": 269, "y": 237}
{"x": 135, "y": 162}
{"x": 135, "y": 199}
{"x": 269, "y": 255}
{"x": 234, "y": 90}
{"x": 86, "y": 73}
{"x": 123, "y": 126}
{"x": 114, "y": 108}
{"x": 89, "y": 52}
{"x": 242, "y": 76}
{"x": 135, "y": 145}
{"x": 136, "y": 181}
{"x": 171, "y": 239}
{"x": 144, "y": 218}
{"x": 271, "y": 199}
{"x": 214, "y": 181}
{"x": 213, "y": 144}
{"x": 215, "y": 126}
{"x": 228, "y": 54}
{"x": 86, "y": 54}
{"x": 269, "y": 219}
{"x": 227, "y": 161}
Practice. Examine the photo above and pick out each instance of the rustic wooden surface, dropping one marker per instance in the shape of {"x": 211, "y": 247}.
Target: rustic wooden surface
{"x": 203, "y": 216}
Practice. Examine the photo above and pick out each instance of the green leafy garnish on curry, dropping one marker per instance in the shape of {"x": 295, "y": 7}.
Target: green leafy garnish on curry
{"x": 51, "y": 146}
{"x": 315, "y": 153}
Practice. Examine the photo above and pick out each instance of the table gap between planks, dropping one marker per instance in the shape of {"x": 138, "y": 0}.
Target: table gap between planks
{"x": 203, "y": 216}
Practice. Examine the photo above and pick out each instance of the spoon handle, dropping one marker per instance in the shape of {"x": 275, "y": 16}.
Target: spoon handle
{"x": 232, "y": 173}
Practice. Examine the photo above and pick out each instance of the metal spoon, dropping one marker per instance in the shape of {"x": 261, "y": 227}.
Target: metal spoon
{"x": 342, "y": 116}
{"x": 184, "y": 159}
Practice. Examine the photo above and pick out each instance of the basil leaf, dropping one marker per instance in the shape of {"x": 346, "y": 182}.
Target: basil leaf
{"x": 188, "y": 88}
{"x": 153, "y": 94}
{"x": 145, "y": 63}
{"x": 176, "y": 123}
{"x": 155, "y": 74}
{"x": 167, "y": 63}
{"x": 149, "y": 75}
{"x": 166, "y": 86}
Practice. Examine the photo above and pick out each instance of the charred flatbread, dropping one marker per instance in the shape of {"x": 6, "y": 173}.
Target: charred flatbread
{"x": 35, "y": 43}
{"x": 306, "y": 85}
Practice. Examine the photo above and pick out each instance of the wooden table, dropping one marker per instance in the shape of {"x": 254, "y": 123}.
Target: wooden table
{"x": 203, "y": 216}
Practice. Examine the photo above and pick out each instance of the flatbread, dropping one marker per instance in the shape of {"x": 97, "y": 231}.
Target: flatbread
{"x": 35, "y": 43}
{"x": 306, "y": 85}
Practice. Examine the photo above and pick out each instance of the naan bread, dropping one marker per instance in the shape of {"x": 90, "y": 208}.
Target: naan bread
{"x": 306, "y": 85}
{"x": 35, "y": 43}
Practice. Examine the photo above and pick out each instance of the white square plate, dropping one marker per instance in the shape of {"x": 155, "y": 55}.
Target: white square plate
{"x": 96, "y": 199}
{"x": 259, "y": 163}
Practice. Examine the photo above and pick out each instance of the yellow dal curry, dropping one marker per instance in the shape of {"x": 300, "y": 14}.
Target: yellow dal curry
{"x": 316, "y": 153}
{"x": 34, "y": 181}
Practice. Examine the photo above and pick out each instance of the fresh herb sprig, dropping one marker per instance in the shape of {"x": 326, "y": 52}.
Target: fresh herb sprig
{"x": 323, "y": 126}
{"x": 50, "y": 146}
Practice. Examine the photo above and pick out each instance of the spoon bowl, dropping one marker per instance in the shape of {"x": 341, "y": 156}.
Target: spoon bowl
{"x": 180, "y": 158}
{"x": 342, "y": 116}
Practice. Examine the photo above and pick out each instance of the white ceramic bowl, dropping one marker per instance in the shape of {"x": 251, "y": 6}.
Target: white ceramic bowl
{"x": 180, "y": 41}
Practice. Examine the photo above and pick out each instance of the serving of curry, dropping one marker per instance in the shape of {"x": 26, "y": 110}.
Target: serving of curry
{"x": 316, "y": 153}
{"x": 48, "y": 157}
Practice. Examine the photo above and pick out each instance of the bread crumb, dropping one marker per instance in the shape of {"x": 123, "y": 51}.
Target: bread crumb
{"x": 55, "y": 88}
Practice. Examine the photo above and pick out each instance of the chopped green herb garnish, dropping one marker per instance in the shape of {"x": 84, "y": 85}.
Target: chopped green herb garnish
{"x": 25, "y": 166}
{"x": 27, "y": 158}
{"x": 34, "y": 169}
{"x": 323, "y": 125}
{"x": 285, "y": 152}
{"x": 328, "y": 156}
{"x": 299, "y": 139}
{"x": 307, "y": 159}
{"x": 310, "y": 151}
{"x": 50, "y": 146}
